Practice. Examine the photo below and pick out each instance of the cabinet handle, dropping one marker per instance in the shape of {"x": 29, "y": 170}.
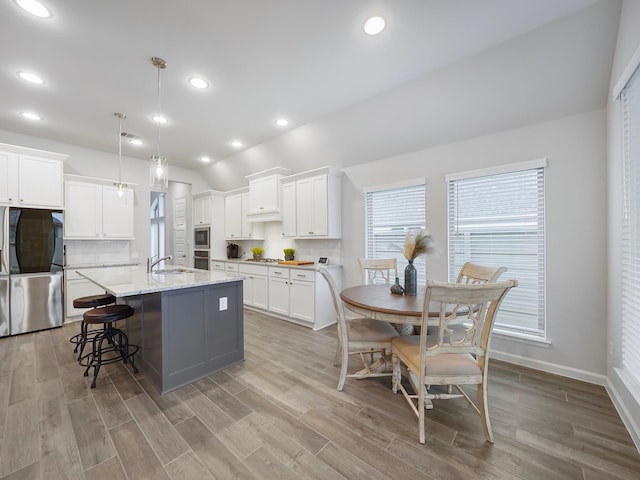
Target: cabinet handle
{"x": 261, "y": 208}
{"x": 277, "y": 273}
{"x": 300, "y": 275}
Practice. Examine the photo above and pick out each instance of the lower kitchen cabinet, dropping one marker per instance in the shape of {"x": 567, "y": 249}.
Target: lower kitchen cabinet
{"x": 256, "y": 286}
{"x": 76, "y": 286}
{"x": 302, "y": 296}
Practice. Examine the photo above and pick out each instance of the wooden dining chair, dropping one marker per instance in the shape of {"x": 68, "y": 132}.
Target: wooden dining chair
{"x": 361, "y": 336}
{"x": 451, "y": 356}
{"x": 473, "y": 273}
{"x": 378, "y": 270}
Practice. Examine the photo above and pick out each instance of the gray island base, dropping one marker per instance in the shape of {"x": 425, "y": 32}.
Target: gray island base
{"x": 188, "y": 325}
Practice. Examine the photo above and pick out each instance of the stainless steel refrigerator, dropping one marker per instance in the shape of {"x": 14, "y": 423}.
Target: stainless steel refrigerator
{"x": 31, "y": 270}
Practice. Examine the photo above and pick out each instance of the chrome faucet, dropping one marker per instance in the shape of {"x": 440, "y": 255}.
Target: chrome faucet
{"x": 151, "y": 263}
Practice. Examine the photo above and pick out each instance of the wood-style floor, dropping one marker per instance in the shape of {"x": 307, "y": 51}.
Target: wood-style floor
{"x": 278, "y": 415}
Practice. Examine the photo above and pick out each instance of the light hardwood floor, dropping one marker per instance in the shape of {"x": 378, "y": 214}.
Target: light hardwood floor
{"x": 278, "y": 415}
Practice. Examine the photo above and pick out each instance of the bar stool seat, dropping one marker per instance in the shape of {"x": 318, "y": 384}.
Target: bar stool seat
{"x": 90, "y": 301}
{"x": 116, "y": 348}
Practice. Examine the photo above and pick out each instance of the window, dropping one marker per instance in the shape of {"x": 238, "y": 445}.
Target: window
{"x": 630, "y": 98}
{"x": 157, "y": 224}
{"x": 391, "y": 212}
{"x": 496, "y": 218}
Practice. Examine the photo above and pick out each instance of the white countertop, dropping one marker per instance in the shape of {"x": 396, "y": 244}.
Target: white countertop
{"x": 134, "y": 280}
{"x": 311, "y": 266}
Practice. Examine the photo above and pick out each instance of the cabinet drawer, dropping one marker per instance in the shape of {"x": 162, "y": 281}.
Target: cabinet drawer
{"x": 303, "y": 275}
{"x": 215, "y": 265}
{"x": 232, "y": 267}
{"x": 278, "y": 272}
{"x": 254, "y": 269}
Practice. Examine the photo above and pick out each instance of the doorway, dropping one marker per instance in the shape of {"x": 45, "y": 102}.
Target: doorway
{"x": 171, "y": 223}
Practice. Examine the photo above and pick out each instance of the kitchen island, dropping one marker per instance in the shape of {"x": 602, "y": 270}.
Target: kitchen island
{"x": 188, "y": 323}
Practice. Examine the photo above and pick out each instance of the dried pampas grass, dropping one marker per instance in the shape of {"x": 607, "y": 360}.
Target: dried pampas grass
{"x": 416, "y": 244}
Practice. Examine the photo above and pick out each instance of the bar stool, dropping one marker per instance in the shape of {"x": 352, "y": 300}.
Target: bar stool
{"x": 109, "y": 345}
{"x": 90, "y": 301}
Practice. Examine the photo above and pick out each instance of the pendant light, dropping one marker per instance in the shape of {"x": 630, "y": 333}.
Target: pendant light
{"x": 120, "y": 186}
{"x": 159, "y": 166}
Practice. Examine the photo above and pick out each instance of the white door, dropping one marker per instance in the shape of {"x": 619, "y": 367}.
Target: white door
{"x": 180, "y": 247}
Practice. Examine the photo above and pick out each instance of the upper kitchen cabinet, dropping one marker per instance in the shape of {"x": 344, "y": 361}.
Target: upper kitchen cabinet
{"x": 265, "y": 195}
{"x": 30, "y": 178}
{"x": 236, "y": 212}
{"x": 202, "y": 209}
{"x": 289, "y": 223}
{"x": 95, "y": 211}
{"x": 318, "y": 203}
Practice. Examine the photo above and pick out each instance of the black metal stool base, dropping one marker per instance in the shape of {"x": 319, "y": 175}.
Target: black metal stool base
{"x": 109, "y": 345}
{"x": 91, "y": 301}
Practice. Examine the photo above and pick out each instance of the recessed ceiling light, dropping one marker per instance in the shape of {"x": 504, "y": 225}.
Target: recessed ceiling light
{"x": 198, "y": 82}
{"x": 159, "y": 119}
{"x": 374, "y": 25}
{"x": 236, "y": 143}
{"x": 136, "y": 141}
{"x": 34, "y": 8}
{"x": 282, "y": 122}
{"x": 31, "y": 77}
{"x": 31, "y": 115}
{"x": 205, "y": 159}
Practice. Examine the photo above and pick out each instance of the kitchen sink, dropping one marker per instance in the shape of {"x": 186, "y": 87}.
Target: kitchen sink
{"x": 172, "y": 271}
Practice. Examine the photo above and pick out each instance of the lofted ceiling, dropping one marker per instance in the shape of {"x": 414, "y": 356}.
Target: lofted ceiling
{"x": 306, "y": 60}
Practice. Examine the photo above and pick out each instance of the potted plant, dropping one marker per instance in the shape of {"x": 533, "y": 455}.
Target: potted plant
{"x": 257, "y": 253}
{"x": 288, "y": 253}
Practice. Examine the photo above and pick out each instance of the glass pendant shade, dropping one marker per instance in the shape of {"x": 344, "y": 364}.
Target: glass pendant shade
{"x": 159, "y": 172}
{"x": 158, "y": 165}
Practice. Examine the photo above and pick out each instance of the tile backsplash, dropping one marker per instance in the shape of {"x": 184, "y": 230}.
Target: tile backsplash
{"x": 84, "y": 252}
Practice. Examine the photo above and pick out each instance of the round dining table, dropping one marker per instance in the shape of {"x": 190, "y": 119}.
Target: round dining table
{"x": 377, "y": 301}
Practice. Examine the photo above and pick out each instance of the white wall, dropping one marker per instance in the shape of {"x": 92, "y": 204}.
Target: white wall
{"x": 575, "y": 229}
{"x": 627, "y": 402}
{"x": 94, "y": 163}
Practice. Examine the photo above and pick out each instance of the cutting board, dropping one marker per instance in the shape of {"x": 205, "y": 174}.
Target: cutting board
{"x": 294, "y": 262}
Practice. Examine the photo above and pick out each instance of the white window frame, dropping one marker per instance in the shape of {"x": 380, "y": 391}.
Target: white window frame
{"x": 528, "y": 301}
{"x": 393, "y": 248}
{"x": 627, "y": 90}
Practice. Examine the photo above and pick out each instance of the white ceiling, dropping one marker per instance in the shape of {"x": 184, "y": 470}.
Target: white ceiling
{"x": 307, "y": 60}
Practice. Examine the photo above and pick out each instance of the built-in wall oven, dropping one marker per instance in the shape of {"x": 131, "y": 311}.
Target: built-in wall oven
{"x": 201, "y": 238}
{"x": 201, "y": 259}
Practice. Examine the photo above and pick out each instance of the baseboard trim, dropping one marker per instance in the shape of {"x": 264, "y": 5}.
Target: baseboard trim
{"x": 627, "y": 419}
{"x": 548, "y": 367}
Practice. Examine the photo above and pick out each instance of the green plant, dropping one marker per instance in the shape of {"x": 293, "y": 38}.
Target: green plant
{"x": 257, "y": 250}
{"x": 288, "y": 252}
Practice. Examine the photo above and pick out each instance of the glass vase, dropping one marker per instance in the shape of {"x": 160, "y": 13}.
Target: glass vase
{"x": 410, "y": 279}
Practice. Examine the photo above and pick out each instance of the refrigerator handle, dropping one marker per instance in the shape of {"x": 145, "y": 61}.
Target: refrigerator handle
{"x": 4, "y": 258}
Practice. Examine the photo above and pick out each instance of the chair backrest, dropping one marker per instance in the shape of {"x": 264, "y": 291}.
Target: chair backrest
{"x": 473, "y": 273}
{"x": 337, "y": 305}
{"x": 378, "y": 270}
{"x": 467, "y": 312}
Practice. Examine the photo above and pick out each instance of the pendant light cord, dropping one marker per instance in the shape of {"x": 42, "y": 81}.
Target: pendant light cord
{"x": 158, "y": 112}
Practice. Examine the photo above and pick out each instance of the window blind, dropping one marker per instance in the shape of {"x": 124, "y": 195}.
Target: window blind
{"x": 389, "y": 215}
{"x": 498, "y": 220}
{"x": 630, "y": 98}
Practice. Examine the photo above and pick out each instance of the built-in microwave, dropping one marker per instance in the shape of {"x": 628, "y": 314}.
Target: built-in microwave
{"x": 201, "y": 238}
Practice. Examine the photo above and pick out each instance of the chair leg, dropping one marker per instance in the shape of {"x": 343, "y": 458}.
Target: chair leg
{"x": 343, "y": 368}
{"x": 484, "y": 411}
{"x": 336, "y": 360}
{"x": 396, "y": 374}
{"x": 422, "y": 392}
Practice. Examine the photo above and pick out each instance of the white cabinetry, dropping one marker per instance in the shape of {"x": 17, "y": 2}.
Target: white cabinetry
{"x": 95, "y": 211}
{"x": 30, "y": 180}
{"x": 289, "y": 224}
{"x": 237, "y": 225}
{"x": 318, "y": 206}
{"x": 77, "y": 286}
{"x": 255, "y": 285}
{"x": 202, "y": 209}
{"x": 265, "y": 195}
{"x": 302, "y": 296}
